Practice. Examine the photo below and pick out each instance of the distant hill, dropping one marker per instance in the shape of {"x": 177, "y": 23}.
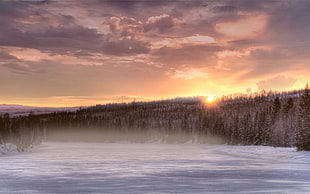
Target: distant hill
{"x": 20, "y": 110}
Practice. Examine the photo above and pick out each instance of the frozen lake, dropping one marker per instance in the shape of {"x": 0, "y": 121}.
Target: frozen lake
{"x": 55, "y": 167}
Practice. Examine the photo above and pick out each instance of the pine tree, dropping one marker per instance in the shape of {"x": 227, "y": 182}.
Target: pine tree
{"x": 303, "y": 129}
{"x": 289, "y": 105}
{"x": 276, "y": 108}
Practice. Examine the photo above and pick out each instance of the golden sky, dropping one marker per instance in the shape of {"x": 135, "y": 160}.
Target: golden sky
{"x": 77, "y": 53}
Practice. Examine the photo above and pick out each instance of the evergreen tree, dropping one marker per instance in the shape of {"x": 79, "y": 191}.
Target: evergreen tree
{"x": 289, "y": 105}
{"x": 303, "y": 130}
{"x": 276, "y": 107}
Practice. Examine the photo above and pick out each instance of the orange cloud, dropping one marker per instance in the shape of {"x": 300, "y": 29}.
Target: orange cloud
{"x": 125, "y": 27}
{"x": 179, "y": 42}
{"x": 250, "y": 25}
{"x": 161, "y": 23}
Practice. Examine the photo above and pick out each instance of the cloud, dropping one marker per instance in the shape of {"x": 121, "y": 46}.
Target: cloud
{"x": 53, "y": 40}
{"x": 28, "y": 26}
{"x": 293, "y": 16}
{"x": 4, "y": 56}
{"x": 276, "y": 83}
{"x": 125, "y": 47}
{"x": 185, "y": 41}
{"x": 133, "y": 8}
{"x": 224, "y": 8}
{"x": 191, "y": 55}
{"x": 249, "y": 25}
{"x": 17, "y": 67}
{"x": 125, "y": 27}
{"x": 271, "y": 54}
{"x": 40, "y": 29}
{"x": 268, "y": 60}
{"x": 161, "y": 23}
{"x": 75, "y": 40}
{"x": 124, "y": 37}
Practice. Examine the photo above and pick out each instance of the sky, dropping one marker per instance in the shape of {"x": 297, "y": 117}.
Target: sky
{"x": 86, "y": 52}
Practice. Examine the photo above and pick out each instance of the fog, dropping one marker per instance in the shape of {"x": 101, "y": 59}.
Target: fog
{"x": 115, "y": 136}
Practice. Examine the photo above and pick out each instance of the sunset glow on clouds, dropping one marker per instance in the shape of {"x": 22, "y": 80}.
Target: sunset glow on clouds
{"x": 73, "y": 53}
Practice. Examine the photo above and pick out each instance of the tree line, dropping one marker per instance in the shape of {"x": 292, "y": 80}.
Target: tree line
{"x": 266, "y": 118}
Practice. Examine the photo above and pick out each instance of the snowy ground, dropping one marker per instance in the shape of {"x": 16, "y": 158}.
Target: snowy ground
{"x": 154, "y": 168}
{"x": 7, "y": 148}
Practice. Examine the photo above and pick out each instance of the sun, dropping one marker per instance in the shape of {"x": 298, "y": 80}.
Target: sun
{"x": 210, "y": 99}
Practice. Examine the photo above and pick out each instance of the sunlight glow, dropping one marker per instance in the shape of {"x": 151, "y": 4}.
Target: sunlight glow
{"x": 210, "y": 99}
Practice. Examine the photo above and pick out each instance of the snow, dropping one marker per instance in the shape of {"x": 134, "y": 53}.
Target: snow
{"x": 7, "y": 148}
{"x": 59, "y": 167}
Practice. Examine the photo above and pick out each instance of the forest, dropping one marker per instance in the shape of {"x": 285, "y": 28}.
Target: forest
{"x": 279, "y": 119}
